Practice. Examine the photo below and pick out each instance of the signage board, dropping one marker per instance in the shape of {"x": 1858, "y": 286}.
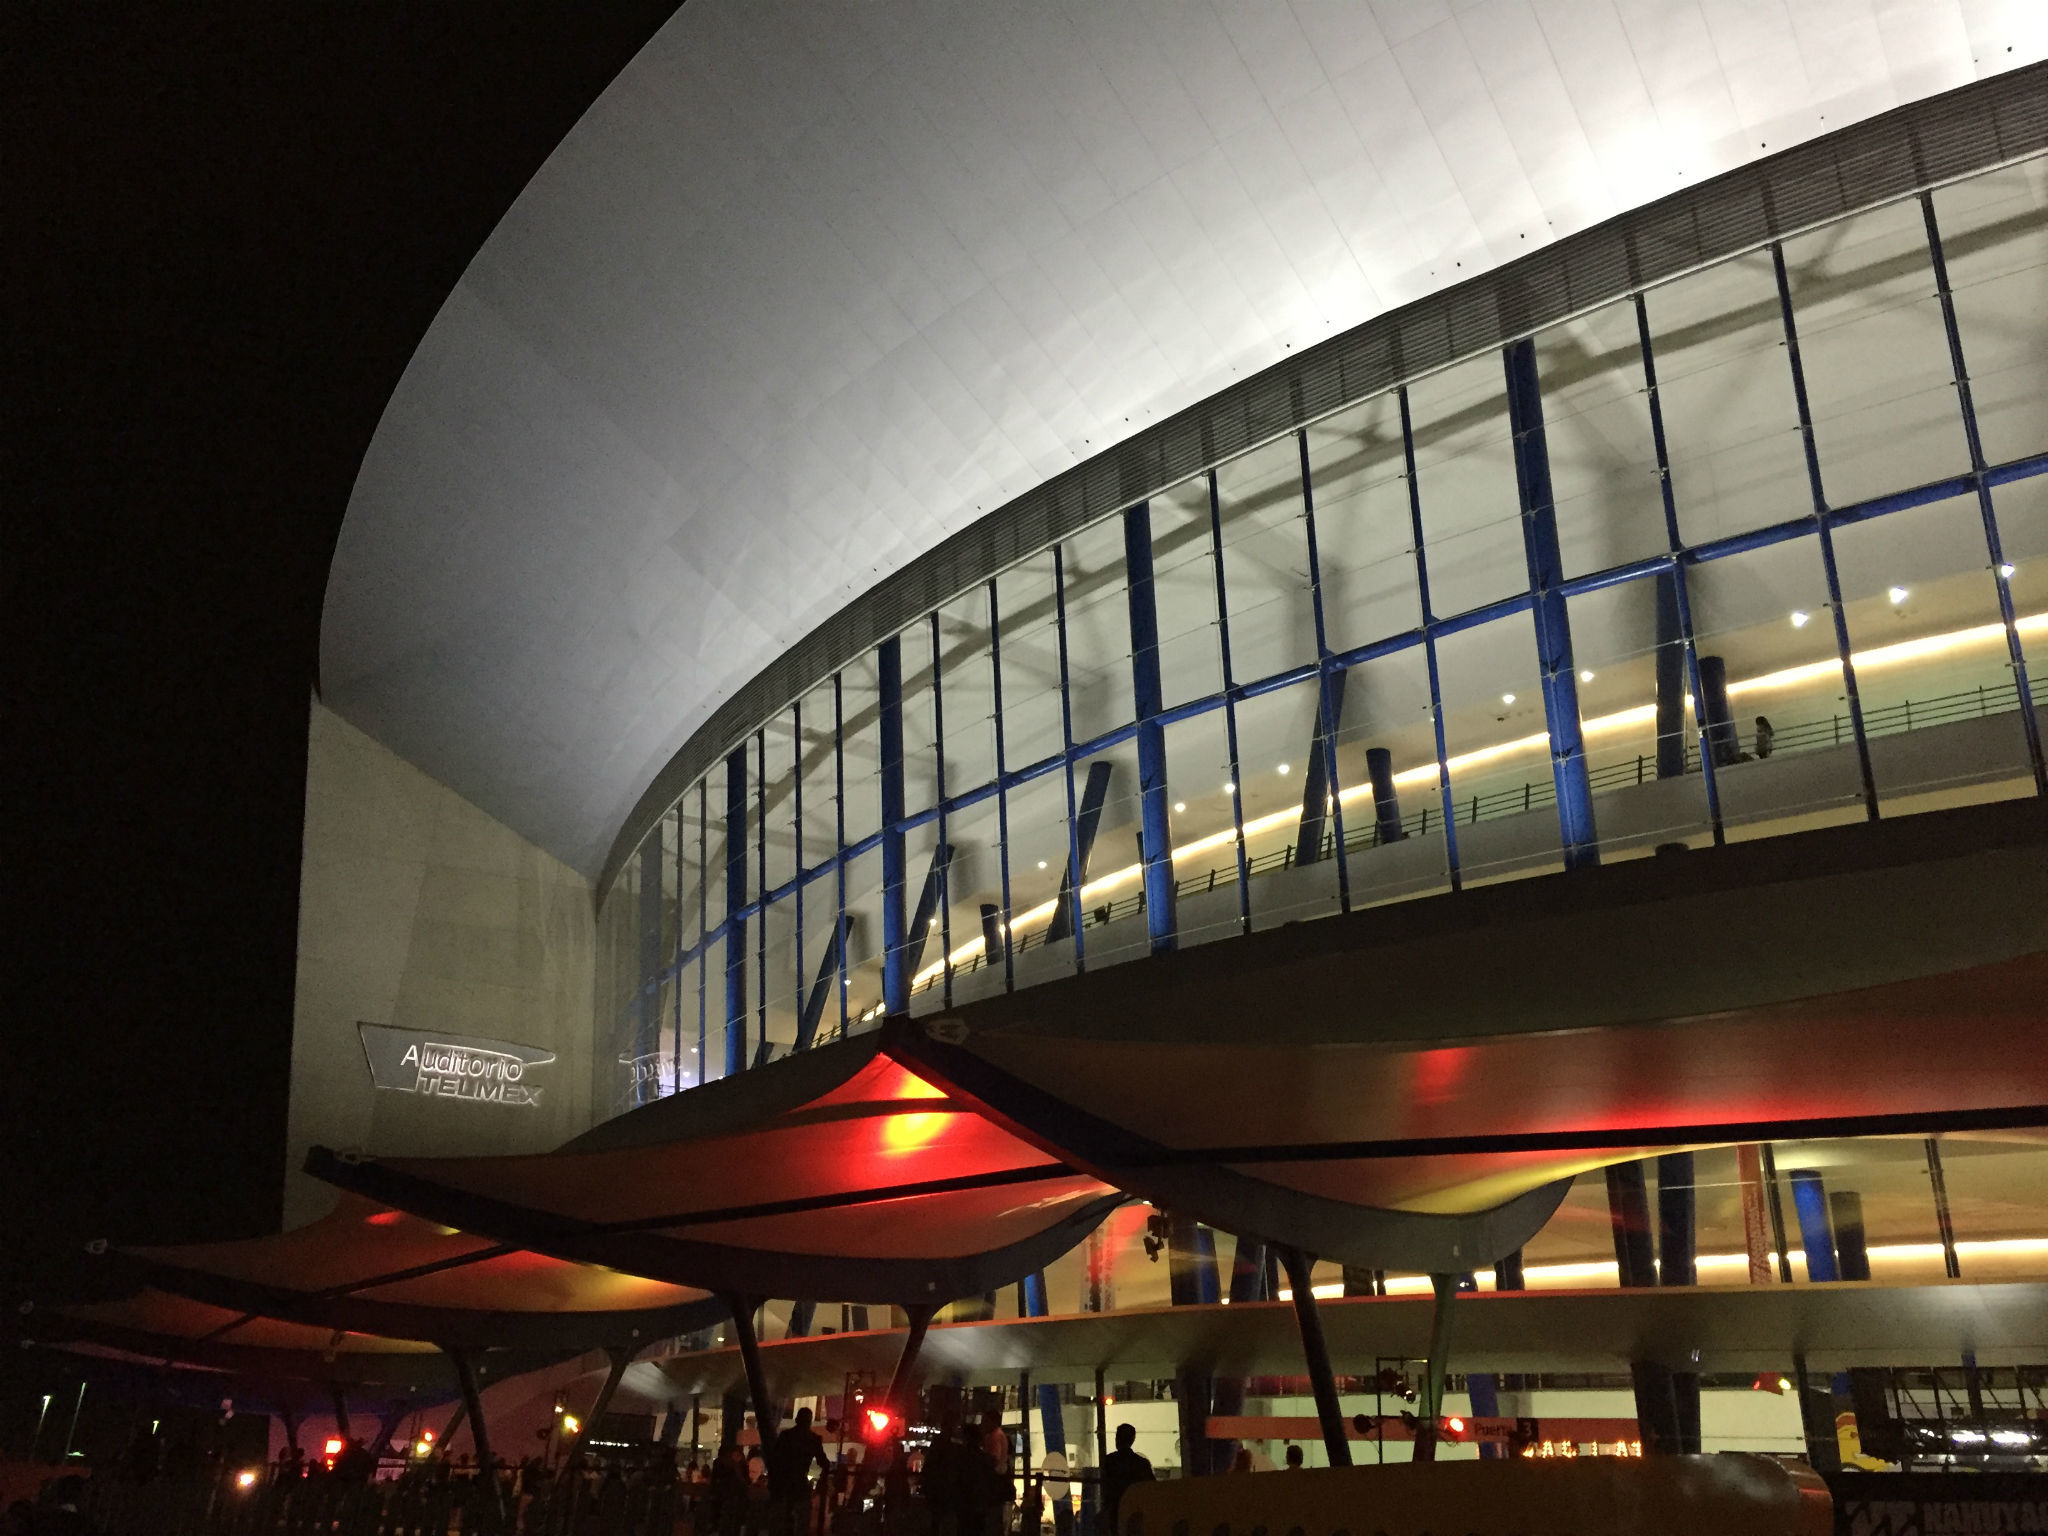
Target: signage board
{"x": 442, "y": 1065}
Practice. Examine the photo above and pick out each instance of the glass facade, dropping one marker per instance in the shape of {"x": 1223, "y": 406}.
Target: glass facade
{"x": 1759, "y": 549}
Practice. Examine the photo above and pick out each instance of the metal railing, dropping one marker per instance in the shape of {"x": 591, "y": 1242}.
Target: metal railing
{"x": 1823, "y": 734}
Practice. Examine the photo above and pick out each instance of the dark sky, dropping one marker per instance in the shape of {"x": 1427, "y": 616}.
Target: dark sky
{"x": 222, "y": 233}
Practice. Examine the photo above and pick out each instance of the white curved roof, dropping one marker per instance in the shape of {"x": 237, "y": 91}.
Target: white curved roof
{"x": 812, "y": 286}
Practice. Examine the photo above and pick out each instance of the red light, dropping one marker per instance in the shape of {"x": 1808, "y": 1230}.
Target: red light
{"x": 879, "y": 1420}
{"x": 334, "y": 1445}
{"x": 1455, "y": 1425}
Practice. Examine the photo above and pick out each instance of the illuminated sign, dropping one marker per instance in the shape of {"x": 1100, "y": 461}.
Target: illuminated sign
{"x": 450, "y": 1066}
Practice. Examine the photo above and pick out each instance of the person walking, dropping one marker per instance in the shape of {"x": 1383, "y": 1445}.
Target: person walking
{"x": 1122, "y": 1468}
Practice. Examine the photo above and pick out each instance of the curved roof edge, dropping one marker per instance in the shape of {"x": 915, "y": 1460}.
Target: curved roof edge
{"x": 1880, "y": 159}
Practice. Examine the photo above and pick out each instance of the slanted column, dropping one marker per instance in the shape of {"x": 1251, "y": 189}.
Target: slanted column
{"x": 1318, "y": 793}
{"x": 1052, "y": 1427}
{"x": 1677, "y": 1264}
{"x": 1094, "y": 792}
{"x": 1635, "y": 1258}
{"x": 1553, "y": 621}
{"x": 1315, "y": 1352}
{"x": 1154, "y": 819}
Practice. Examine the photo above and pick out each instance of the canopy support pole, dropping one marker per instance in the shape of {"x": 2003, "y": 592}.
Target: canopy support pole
{"x": 339, "y": 1399}
{"x": 757, "y": 1379}
{"x": 486, "y": 1474}
{"x": 906, "y": 1363}
{"x": 1432, "y": 1405}
{"x": 1316, "y": 1351}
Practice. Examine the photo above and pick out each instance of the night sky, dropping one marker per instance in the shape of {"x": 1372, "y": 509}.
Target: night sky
{"x": 221, "y": 236}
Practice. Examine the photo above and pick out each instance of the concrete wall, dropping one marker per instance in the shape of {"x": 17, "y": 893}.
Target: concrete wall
{"x": 418, "y": 910}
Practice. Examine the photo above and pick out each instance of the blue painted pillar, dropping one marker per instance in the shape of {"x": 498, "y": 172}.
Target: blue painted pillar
{"x": 1670, "y": 680}
{"x": 1816, "y": 1236}
{"x": 735, "y": 901}
{"x": 1248, "y": 1272}
{"x": 889, "y": 677}
{"x": 1052, "y": 1427}
{"x": 1093, "y": 793}
{"x": 1484, "y": 1390}
{"x": 1191, "y": 1276}
{"x": 1386, "y": 800}
{"x": 647, "y": 996}
{"x": 1715, "y": 713}
{"x": 1316, "y": 800}
{"x": 1155, "y": 826}
{"x": 1553, "y": 620}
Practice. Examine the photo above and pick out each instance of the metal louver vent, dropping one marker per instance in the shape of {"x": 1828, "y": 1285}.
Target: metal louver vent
{"x": 1879, "y": 160}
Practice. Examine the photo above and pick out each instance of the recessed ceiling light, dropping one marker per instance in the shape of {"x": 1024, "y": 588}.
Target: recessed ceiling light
{"x": 1041, "y": 863}
{"x": 1180, "y": 805}
{"x": 1507, "y": 698}
{"x": 932, "y": 923}
{"x": 1585, "y": 676}
{"x": 1799, "y": 618}
{"x": 1897, "y": 595}
{"x": 2006, "y": 570}
{"x": 1230, "y": 789}
{"x": 1283, "y": 767}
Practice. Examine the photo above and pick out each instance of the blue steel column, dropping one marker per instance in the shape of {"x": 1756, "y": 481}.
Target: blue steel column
{"x": 1816, "y": 1232}
{"x": 796, "y": 793}
{"x": 939, "y": 783}
{"x": 1553, "y": 620}
{"x": 1436, "y": 692}
{"x": 839, "y": 833}
{"x": 1329, "y": 700}
{"x": 2029, "y": 723}
{"x": 703, "y": 925}
{"x": 735, "y": 902}
{"x": 1053, "y": 1429}
{"x": 895, "y": 980}
{"x": 761, "y": 931}
{"x": 995, "y": 667}
{"x": 1827, "y": 537}
{"x": 647, "y": 995}
{"x": 1155, "y": 827}
{"x": 1069, "y": 908}
{"x": 676, "y": 960}
{"x": 1681, "y": 594}
{"x": 1244, "y": 881}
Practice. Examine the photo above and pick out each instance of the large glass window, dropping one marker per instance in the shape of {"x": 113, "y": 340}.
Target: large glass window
{"x": 1502, "y": 789}
{"x": 1365, "y": 533}
{"x": 1994, "y": 240}
{"x": 1471, "y": 505}
{"x": 1731, "y": 424}
{"x": 1396, "y": 850}
{"x": 1932, "y": 666}
{"x": 1294, "y": 870}
{"x": 1098, "y": 629}
{"x": 1596, "y": 425}
{"x": 1205, "y": 864}
{"x": 1184, "y": 594}
{"x": 1032, "y": 728}
{"x": 1635, "y": 695}
{"x": 1875, "y": 352}
{"x": 1265, "y": 561}
{"x": 1783, "y": 743}
{"x": 967, "y": 688}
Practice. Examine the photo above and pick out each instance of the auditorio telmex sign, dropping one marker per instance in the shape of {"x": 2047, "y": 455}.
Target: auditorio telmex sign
{"x": 446, "y": 1066}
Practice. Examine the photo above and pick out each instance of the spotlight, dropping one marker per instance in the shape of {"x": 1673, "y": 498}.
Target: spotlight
{"x": 1230, "y": 789}
{"x": 1507, "y": 698}
{"x": 1799, "y": 618}
{"x": 1180, "y": 805}
{"x": 1041, "y": 863}
{"x": 2006, "y": 570}
{"x": 1897, "y": 595}
{"x": 245, "y": 1479}
{"x": 1283, "y": 768}
{"x": 1586, "y": 676}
